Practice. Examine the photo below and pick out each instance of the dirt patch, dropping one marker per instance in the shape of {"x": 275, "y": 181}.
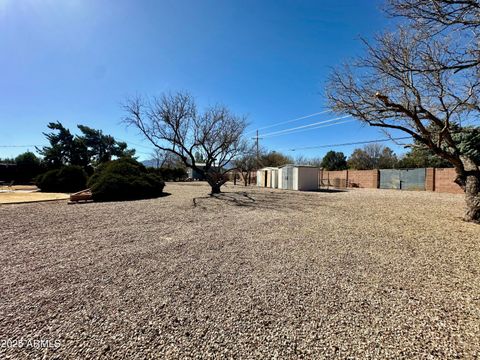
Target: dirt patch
{"x": 26, "y": 196}
{"x": 18, "y": 187}
{"x": 250, "y": 273}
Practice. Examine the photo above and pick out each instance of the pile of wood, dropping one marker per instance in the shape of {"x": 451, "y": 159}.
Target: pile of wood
{"x": 81, "y": 196}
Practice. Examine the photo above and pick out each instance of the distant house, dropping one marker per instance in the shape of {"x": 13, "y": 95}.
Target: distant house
{"x": 195, "y": 175}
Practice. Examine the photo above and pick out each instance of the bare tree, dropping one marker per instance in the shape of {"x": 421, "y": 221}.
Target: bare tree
{"x": 172, "y": 123}
{"x": 437, "y": 14}
{"x": 163, "y": 158}
{"x": 458, "y": 21}
{"x": 372, "y": 156}
{"x": 246, "y": 163}
{"x": 402, "y": 84}
{"x": 312, "y": 161}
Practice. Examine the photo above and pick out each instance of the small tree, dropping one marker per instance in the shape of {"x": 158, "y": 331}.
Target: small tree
{"x": 419, "y": 157}
{"x": 89, "y": 149}
{"x": 246, "y": 163}
{"x": 372, "y": 156}
{"x": 274, "y": 159}
{"x": 313, "y": 161}
{"x": 101, "y": 148}
{"x": 334, "y": 161}
{"x": 28, "y": 167}
{"x": 172, "y": 123}
{"x": 64, "y": 149}
{"x": 164, "y": 159}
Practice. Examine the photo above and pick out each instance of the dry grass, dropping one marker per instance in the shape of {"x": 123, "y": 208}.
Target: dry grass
{"x": 20, "y": 197}
{"x": 249, "y": 274}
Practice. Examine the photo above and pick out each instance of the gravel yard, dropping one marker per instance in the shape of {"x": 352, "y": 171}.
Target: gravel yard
{"x": 254, "y": 273}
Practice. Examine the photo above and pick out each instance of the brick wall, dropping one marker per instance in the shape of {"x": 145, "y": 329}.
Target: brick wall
{"x": 363, "y": 178}
{"x": 438, "y": 180}
{"x": 333, "y": 178}
{"x": 443, "y": 181}
{"x": 356, "y": 178}
{"x": 335, "y": 175}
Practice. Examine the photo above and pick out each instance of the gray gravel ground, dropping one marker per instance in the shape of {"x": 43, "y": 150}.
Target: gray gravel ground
{"x": 255, "y": 274}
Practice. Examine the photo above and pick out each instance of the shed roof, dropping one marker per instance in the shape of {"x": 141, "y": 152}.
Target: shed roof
{"x": 268, "y": 168}
{"x": 299, "y": 165}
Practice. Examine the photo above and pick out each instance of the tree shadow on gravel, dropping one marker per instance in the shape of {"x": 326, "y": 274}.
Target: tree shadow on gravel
{"x": 263, "y": 201}
{"x": 164, "y": 194}
{"x": 329, "y": 191}
{"x": 237, "y": 199}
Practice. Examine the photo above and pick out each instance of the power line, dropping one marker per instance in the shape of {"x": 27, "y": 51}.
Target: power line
{"x": 308, "y": 127}
{"x": 290, "y": 121}
{"x": 313, "y": 128}
{"x": 135, "y": 144}
{"x": 352, "y": 143}
{"x": 19, "y": 146}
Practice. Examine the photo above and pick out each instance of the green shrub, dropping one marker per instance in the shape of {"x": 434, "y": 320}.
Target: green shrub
{"x": 169, "y": 174}
{"x": 124, "y": 179}
{"x": 67, "y": 179}
{"x": 28, "y": 167}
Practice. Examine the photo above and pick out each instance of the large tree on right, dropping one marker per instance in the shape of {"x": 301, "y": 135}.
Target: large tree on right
{"x": 423, "y": 79}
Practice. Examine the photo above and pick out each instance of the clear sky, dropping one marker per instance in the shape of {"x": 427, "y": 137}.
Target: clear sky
{"x": 75, "y": 61}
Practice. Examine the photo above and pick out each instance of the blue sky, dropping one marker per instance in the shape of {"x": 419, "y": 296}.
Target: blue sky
{"x": 75, "y": 61}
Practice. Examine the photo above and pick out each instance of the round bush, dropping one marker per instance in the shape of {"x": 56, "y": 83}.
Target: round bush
{"x": 67, "y": 179}
{"x": 124, "y": 179}
{"x": 169, "y": 174}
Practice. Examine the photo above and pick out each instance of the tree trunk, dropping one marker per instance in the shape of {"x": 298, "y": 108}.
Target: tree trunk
{"x": 469, "y": 180}
{"x": 215, "y": 188}
{"x": 472, "y": 198}
{"x": 215, "y": 180}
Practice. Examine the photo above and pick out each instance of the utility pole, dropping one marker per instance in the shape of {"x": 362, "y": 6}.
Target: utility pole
{"x": 256, "y": 138}
{"x": 258, "y": 152}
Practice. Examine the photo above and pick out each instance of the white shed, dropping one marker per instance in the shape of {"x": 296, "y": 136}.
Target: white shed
{"x": 298, "y": 177}
{"x": 268, "y": 177}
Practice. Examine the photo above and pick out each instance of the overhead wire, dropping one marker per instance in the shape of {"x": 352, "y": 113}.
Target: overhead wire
{"x": 20, "y": 146}
{"x": 351, "y": 143}
{"x": 312, "y": 126}
{"x": 289, "y": 121}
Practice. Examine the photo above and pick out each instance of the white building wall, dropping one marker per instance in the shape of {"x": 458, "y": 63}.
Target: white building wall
{"x": 275, "y": 178}
{"x": 268, "y": 175}
{"x": 306, "y": 178}
{"x": 280, "y": 178}
{"x": 295, "y": 177}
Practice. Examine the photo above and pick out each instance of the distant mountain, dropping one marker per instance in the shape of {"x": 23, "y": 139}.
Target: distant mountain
{"x": 150, "y": 163}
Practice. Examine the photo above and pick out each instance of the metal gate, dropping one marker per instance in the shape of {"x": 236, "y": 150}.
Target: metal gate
{"x": 287, "y": 174}
{"x": 404, "y": 179}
